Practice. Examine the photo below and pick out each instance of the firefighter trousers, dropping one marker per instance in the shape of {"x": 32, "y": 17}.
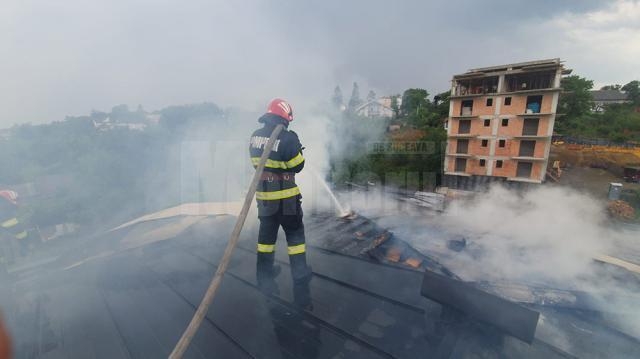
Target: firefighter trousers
{"x": 286, "y": 213}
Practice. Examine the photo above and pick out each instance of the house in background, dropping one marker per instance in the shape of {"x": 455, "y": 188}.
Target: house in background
{"x": 500, "y": 123}
{"x": 387, "y": 101}
{"x": 108, "y": 124}
{"x": 380, "y": 107}
{"x": 5, "y": 133}
{"x": 602, "y": 98}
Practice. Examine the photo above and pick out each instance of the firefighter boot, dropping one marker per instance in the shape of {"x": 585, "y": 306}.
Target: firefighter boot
{"x": 300, "y": 271}
{"x": 302, "y": 295}
{"x": 266, "y": 272}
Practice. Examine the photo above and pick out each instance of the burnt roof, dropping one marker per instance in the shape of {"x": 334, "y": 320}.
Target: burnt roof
{"x": 609, "y": 95}
{"x": 136, "y": 303}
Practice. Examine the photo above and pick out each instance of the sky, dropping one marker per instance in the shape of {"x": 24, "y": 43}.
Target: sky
{"x": 68, "y": 57}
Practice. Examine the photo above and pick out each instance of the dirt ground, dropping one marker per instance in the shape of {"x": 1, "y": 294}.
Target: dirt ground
{"x": 594, "y": 181}
{"x": 578, "y": 173}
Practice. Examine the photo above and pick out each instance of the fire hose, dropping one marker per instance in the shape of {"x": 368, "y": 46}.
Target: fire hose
{"x": 203, "y": 308}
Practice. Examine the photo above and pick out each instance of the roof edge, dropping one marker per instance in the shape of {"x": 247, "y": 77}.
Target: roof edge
{"x": 555, "y": 62}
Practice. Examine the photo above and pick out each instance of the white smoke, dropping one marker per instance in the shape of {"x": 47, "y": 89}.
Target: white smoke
{"x": 313, "y": 130}
{"x": 214, "y": 160}
{"x": 547, "y": 237}
{"x": 546, "y": 234}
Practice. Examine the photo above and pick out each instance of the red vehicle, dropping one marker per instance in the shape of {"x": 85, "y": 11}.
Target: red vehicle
{"x": 632, "y": 174}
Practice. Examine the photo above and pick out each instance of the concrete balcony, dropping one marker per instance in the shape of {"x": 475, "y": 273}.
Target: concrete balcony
{"x": 464, "y": 117}
{"x": 530, "y": 91}
{"x": 535, "y": 114}
{"x": 512, "y": 93}
{"x": 461, "y": 155}
{"x": 532, "y": 137}
{"x": 527, "y": 158}
{"x": 462, "y": 135}
{"x": 523, "y": 179}
{"x": 458, "y": 174}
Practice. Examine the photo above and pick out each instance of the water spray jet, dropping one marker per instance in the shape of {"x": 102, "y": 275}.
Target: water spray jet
{"x": 344, "y": 213}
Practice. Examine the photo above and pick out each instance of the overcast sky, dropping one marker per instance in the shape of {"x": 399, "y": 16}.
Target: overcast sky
{"x": 67, "y": 57}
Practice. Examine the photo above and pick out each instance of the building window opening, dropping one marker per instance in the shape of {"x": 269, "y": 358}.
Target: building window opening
{"x": 507, "y": 101}
{"x": 467, "y": 108}
{"x": 477, "y": 86}
{"x": 502, "y": 143}
{"x": 505, "y": 122}
{"x": 499, "y": 164}
{"x": 524, "y": 169}
{"x": 485, "y": 143}
{"x": 464, "y": 126}
{"x": 527, "y": 148}
{"x": 530, "y": 81}
{"x": 534, "y": 103}
{"x": 487, "y": 123}
{"x": 530, "y": 126}
{"x": 489, "y": 102}
{"x": 462, "y": 146}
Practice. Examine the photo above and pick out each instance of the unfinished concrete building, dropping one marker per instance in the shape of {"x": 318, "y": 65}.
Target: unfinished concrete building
{"x": 500, "y": 123}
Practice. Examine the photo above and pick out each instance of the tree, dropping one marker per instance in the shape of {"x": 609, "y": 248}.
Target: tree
{"x": 633, "y": 90}
{"x": 180, "y": 118}
{"x": 122, "y": 114}
{"x": 618, "y": 122}
{"x": 337, "y": 98}
{"x": 414, "y": 101}
{"x": 355, "y": 100}
{"x": 611, "y": 87}
{"x": 371, "y": 96}
{"x": 441, "y": 104}
{"x": 575, "y": 100}
{"x": 119, "y": 113}
{"x": 394, "y": 105}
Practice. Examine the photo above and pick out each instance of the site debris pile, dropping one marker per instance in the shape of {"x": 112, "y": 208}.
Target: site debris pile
{"x": 621, "y": 210}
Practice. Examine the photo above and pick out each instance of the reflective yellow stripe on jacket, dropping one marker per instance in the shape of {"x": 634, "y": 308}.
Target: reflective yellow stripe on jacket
{"x": 270, "y": 163}
{"x": 9, "y": 223}
{"x": 300, "y": 248}
{"x": 275, "y": 195}
{"x": 298, "y": 159}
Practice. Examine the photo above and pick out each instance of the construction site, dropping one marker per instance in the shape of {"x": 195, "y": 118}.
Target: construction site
{"x": 456, "y": 272}
{"x": 481, "y": 270}
{"x": 499, "y": 218}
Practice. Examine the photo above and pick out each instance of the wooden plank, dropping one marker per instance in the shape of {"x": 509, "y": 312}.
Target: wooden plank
{"x": 632, "y": 267}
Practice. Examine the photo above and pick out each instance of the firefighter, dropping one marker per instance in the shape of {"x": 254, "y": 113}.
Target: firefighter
{"x": 5, "y": 342}
{"x": 278, "y": 196}
{"x": 10, "y": 227}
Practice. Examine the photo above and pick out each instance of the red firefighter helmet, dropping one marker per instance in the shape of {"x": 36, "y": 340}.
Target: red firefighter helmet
{"x": 281, "y": 108}
{"x": 10, "y": 196}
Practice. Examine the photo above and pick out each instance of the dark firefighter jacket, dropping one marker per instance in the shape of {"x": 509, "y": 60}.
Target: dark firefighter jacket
{"x": 9, "y": 221}
{"x": 286, "y": 157}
